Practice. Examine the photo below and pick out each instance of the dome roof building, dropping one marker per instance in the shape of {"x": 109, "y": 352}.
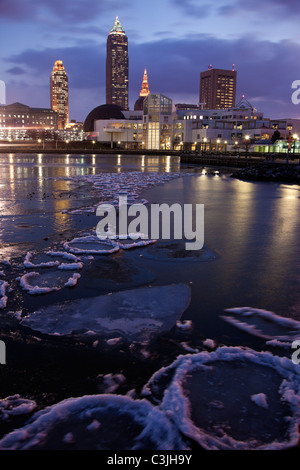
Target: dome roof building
{"x": 103, "y": 112}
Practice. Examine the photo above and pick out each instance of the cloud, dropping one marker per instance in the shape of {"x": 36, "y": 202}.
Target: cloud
{"x": 283, "y": 10}
{"x": 193, "y": 8}
{"x": 70, "y": 11}
{"x": 16, "y": 71}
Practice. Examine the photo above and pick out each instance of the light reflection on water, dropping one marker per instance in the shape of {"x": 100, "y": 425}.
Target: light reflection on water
{"x": 37, "y": 190}
{"x": 253, "y": 227}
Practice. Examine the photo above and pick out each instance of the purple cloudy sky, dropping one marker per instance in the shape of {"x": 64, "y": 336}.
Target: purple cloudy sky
{"x": 174, "y": 39}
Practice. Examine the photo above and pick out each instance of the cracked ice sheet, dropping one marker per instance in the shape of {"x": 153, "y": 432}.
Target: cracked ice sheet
{"x": 264, "y": 324}
{"x": 134, "y": 314}
{"x": 98, "y": 422}
{"x": 212, "y": 398}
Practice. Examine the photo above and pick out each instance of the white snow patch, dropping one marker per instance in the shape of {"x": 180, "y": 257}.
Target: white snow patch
{"x": 72, "y": 281}
{"x": 63, "y": 254}
{"x": 109, "y": 383}
{"x": 260, "y": 399}
{"x": 113, "y": 341}
{"x": 69, "y": 266}
{"x": 209, "y": 343}
{"x": 184, "y": 324}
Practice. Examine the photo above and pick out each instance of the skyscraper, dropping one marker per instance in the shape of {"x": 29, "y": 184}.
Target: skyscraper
{"x": 145, "y": 91}
{"x": 218, "y": 88}
{"x": 59, "y": 91}
{"x": 117, "y": 66}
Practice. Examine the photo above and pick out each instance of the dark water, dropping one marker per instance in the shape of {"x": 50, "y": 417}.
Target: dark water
{"x": 251, "y": 258}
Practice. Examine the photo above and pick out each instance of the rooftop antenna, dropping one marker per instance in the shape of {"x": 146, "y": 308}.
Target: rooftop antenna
{"x": 210, "y": 67}
{"x": 233, "y": 67}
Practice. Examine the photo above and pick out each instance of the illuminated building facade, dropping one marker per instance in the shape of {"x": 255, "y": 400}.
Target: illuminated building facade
{"x": 59, "y": 91}
{"x": 158, "y": 122}
{"x": 18, "y": 120}
{"x": 145, "y": 91}
{"x": 117, "y": 67}
{"x": 218, "y": 88}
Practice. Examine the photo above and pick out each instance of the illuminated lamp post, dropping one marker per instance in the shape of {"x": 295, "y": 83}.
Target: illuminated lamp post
{"x": 247, "y": 138}
{"x": 295, "y": 138}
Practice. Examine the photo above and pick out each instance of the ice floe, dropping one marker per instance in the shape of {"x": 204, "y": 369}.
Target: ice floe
{"x": 98, "y": 422}
{"x": 107, "y": 187}
{"x": 3, "y": 296}
{"x": 43, "y": 264}
{"x": 92, "y": 245}
{"x": 36, "y": 283}
{"x": 15, "y": 405}
{"x": 134, "y": 240}
{"x": 63, "y": 254}
{"x": 134, "y": 314}
{"x": 277, "y": 330}
{"x": 233, "y": 398}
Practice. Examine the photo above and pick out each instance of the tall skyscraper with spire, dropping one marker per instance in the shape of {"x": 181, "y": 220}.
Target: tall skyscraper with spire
{"x": 59, "y": 91}
{"x": 145, "y": 91}
{"x": 117, "y": 66}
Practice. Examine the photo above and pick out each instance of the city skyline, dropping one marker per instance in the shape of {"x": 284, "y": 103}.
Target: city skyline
{"x": 175, "y": 42}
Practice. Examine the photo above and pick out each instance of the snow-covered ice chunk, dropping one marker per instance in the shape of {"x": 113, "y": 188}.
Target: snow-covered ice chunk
{"x": 125, "y": 424}
{"x": 263, "y": 324}
{"x": 134, "y": 240}
{"x": 15, "y": 405}
{"x": 36, "y": 283}
{"x": 134, "y": 314}
{"x": 184, "y": 324}
{"x": 260, "y": 399}
{"x": 232, "y": 398}
{"x": 63, "y": 254}
{"x": 42, "y": 264}
{"x": 72, "y": 281}
{"x": 69, "y": 266}
{"x": 91, "y": 245}
{"x": 109, "y": 383}
{"x": 28, "y": 278}
{"x": 3, "y": 296}
{"x": 113, "y": 341}
{"x": 209, "y": 343}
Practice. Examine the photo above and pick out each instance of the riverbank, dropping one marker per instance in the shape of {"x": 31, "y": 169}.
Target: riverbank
{"x": 279, "y": 172}
{"x": 85, "y": 150}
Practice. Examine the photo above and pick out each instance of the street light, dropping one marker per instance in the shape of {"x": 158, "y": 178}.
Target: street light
{"x": 247, "y": 138}
{"x": 295, "y": 137}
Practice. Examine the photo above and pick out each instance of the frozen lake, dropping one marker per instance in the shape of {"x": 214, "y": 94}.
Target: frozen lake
{"x": 251, "y": 258}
